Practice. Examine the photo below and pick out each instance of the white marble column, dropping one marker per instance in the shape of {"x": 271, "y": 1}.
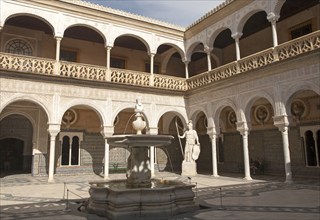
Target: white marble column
{"x": 282, "y": 123}
{"x": 56, "y": 69}
{"x": 244, "y": 131}
{"x": 186, "y": 69}
{"x": 53, "y": 130}
{"x": 151, "y": 69}
{"x": 208, "y": 52}
{"x": 272, "y": 18}
{"x": 237, "y": 37}
{"x": 213, "y": 138}
{"x": 153, "y": 131}
{"x": 108, "y": 49}
{"x": 106, "y": 132}
{"x": 58, "y": 42}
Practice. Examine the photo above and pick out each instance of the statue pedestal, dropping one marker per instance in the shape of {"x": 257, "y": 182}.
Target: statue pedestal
{"x": 189, "y": 169}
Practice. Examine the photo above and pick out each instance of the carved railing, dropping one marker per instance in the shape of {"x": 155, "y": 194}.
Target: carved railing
{"x": 169, "y": 82}
{"x": 298, "y": 46}
{"x": 43, "y": 66}
{"x": 284, "y": 51}
{"x": 82, "y": 71}
{"x": 130, "y": 77}
{"x": 21, "y": 63}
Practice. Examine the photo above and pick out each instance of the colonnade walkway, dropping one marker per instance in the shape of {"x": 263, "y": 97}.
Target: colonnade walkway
{"x": 226, "y": 197}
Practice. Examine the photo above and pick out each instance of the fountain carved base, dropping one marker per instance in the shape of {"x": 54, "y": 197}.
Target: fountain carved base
{"x": 170, "y": 199}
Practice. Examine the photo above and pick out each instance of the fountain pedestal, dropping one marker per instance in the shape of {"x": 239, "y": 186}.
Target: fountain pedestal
{"x": 189, "y": 169}
{"x": 138, "y": 168}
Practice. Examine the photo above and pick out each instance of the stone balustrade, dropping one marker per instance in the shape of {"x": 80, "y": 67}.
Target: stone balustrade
{"x": 43, "y": 66}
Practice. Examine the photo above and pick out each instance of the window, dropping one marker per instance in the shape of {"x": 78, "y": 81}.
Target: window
{"x": 220, "y": 149}
{"x": 117, "y": 63}
{"x": 311, "y": 142}
{"x": 19, "y": 46}
{"x": 300, "y": 30}
{"x": 70, "y": 148}
{"x": 155, "y": 68}
{"x": 68, "y": 55}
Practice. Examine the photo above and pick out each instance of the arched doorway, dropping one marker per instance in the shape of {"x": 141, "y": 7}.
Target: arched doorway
{"x": 11, "y": 151}
{"x": 16, "y": 134}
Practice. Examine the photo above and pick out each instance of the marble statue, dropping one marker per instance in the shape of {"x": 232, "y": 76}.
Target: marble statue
{"x": 192, "y": 148}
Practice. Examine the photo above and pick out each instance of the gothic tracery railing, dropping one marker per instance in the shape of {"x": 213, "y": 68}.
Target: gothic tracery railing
{"x": 284, "y": 51}
{"x": 21, "y": 63}
{"x": 43, "y": 66}
{"x": 130, "y": 77}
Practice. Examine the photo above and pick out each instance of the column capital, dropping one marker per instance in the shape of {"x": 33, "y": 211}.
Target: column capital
{"x": 151, "y": 53}
{"x": 242, "y": 127}
{"x": 185, "y": 60}
{"x": 153, "y": 130}
{"x": 207, "y": 49}
{"x": 58, "y": 38}
{"x": 237, "y": 35}
{"x": 107, "y": 131}
{"x": 272, "y": 17}
{"x": 108, "y": 47}
{"x": 281, "y": 121}
{"x": 212, "y": 132}
{"x": 53, "y": 129}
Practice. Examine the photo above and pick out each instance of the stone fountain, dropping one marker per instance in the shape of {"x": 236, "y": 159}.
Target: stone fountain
{"x": 139, "y": 196}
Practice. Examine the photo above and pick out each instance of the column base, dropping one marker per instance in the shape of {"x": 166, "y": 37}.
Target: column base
{"x": 247, "y": 178}
{"x": 189, "y": 169}
{"x": 215, "y": 175}
{"x": 50, "y": 180}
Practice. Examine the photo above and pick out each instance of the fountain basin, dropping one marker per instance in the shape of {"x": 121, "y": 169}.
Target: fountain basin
{"x": 141, "y": 140}
{"x": 164, "y": 199}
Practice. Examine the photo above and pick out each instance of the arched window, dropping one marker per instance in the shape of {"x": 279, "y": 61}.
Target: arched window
{"x": 19, "y": 46}
{"x": 70, "y": 148}
{"x": 311, "y": 145}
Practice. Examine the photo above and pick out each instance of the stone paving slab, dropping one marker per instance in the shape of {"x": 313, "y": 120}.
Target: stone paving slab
{"x": 226, "y": 197}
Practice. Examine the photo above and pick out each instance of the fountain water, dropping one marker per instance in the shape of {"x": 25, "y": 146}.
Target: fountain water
{"x": 139, "y": 196}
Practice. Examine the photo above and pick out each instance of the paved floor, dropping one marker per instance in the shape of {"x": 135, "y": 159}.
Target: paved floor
{"x": 226, "y": 197}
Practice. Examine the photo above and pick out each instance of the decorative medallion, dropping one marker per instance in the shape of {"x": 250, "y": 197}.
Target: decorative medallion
{"x": 298, "y": 108}
{"x": 261, "y": 114}
{"x": 232, "y": 118}
{"x": 69, "y": 117}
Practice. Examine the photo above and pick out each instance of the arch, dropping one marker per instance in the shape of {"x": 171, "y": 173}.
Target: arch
{"x": 216, "y": 33}
{"x": 253, "y": 98}
{"x": 191, "y": 48}
{"x": 89, "y": 27}
{"x": 166, "y": 59}
{"x": 164, "y": 110}
{"x": 15, "y": 112}
{"x": 246, "y": 17}
{"x": 300, "y": 86}
{"x": 180, "y": 50}
{"x": 88, "y": 104}
{"x": 221, "y": 105}
{"x": 145, "y": 42}
{"x": 43, "y": 19}
{"x": 195, "y": 111}
{"x": 23, "y": 97}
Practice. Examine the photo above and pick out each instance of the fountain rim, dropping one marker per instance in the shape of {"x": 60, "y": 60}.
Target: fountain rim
{"x": 139, "y": 140}
{"x": 169, "y": 184}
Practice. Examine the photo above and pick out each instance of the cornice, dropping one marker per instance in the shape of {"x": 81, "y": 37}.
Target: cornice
{"x": 123, "y": 13}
